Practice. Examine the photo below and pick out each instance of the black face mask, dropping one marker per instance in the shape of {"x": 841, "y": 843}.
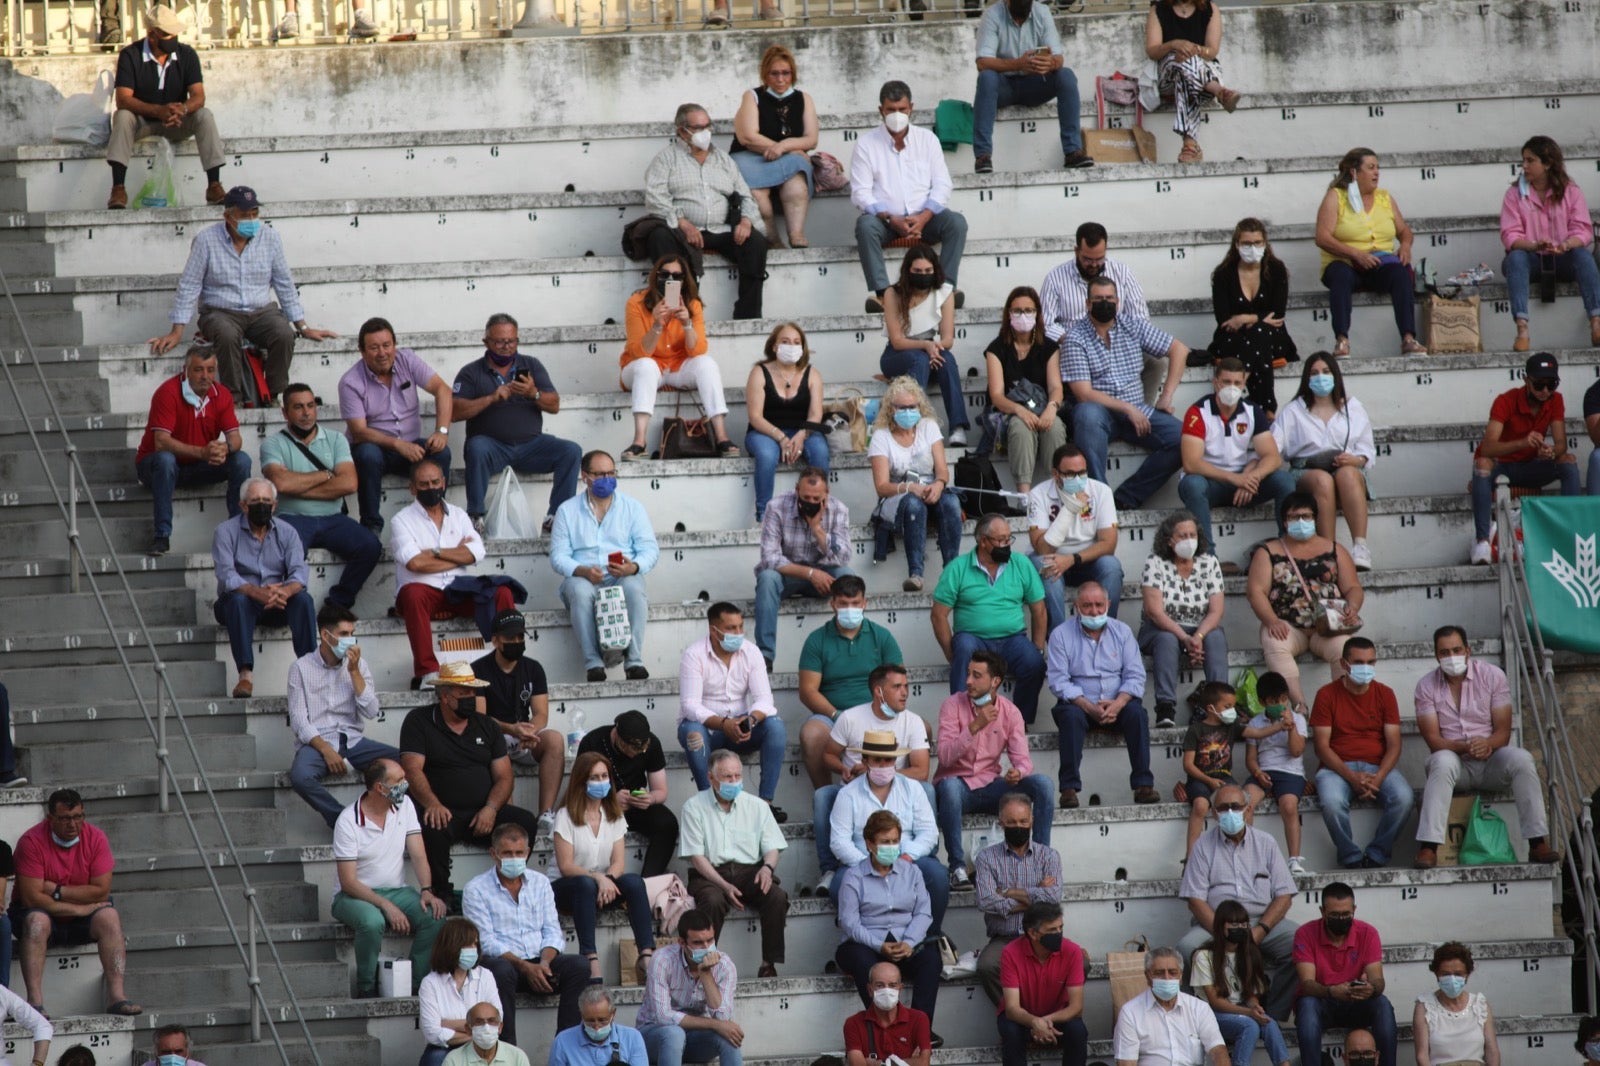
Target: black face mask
{"x": 1051, "y": 942}
{"x": 1237, "y": 936}
{"x": 1001, "y": 555}
{"x": 1018, "y": 835}
{"x": 1020, "y": 11}
{"x": 513, "y": 649}
{"x": 1103, "y": 311}
{"x": 1362, "y": 1060}
{"x": 162, "y": 45}
{"x": 430, "y": 498}
{"x": 808, "y": 509}
{"x": 922, "y": 282}
{"x": 302, "y": 434}
{"x": 260, "y": 514}
{"x": 1338, "y": 926}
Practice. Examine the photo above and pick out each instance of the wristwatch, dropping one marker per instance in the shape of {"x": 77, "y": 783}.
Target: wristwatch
{"x": 56, "y": 895}
{"x": 437, "y": 554}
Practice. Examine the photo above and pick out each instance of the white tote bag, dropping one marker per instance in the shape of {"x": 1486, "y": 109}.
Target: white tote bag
{"x": 611, "y": 618}
{"x": 508, "y": 516}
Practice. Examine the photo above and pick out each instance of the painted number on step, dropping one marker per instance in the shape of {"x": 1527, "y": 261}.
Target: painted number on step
{"x": 1553, "y": 103}
{"x": 67, "y": 962}
{"x": 1504, "y": 306}
{"x": 890, "y": 617}
{"x": 1105, "y": 830}
{"x": 1135, "y": 534}
{"x": 822, "y": 272}
{"x": 1118, "y": 906}
{"x": 1177, "y": 253}
{"x": 494, "y": 151}
{"x": 1251, "y": 181}
{"x": 1071, "y": 191}
{"x": 1174, "y": 751}
{"x": 1286, "y": 114}
{"x": 1499, "y": 888}
{"x": 1028, "y": 125}
{"x": 1434, "y": 592}
{"x": 1226, "y": 529}
{"x": 1424, "y": 379}
{"x": 1408, "y": 521}
{"x": 850, "y": 135}
{"x": 1374, "y": 110}
{"x": 1438, "y": 240}
{"x": 1002, "y": 260}
{"x": 985, "y": 195}
{"x": 1429, "y": 173}
{"x": 1408, "y": 893}
{"x": 1163, "y": 185}
{"x": 1535, "y": 1040}
{"x": 1314, "y": 897}
{"x": 1530, "y": 965}
{"x": 1319, "y": 314}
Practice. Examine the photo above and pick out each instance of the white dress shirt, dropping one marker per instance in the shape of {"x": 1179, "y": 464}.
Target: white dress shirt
{"x": 1151, "y": 1035}
{"x": 900, "y": 182}
{"x": 438, "y": 998}
{"x": 412, "y": 532}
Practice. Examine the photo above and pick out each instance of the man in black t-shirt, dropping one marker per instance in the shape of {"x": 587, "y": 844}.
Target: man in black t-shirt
{"x": 458, "y": 773}
{"x": 518, "y": 701}
{"x": 639, "y": 771}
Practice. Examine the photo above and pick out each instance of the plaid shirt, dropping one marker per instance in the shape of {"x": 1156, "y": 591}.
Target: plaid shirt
{"x": 671, "y": 991}
{"x": 787, "y": 538}
{"x": 217, "y": 276}
{"x": 999, "y": 869}
{"x": 676, "y": 185}
{"x": 1115, "y": 371}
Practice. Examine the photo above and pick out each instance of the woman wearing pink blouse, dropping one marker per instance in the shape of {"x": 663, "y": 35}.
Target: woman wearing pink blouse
{"x": 1547, "y": 233}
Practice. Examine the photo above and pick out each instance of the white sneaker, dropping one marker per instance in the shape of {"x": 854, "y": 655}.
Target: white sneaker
{"x": 1361, "y": 555}
{"x": 363, "y": 26}
{"x": 958, "y": 437}
{"x": 1481, "y": 555}
{"x": 288, "y": 26}
{"x": 479, "y": 522}
{"x": 1297, "y": 866}
{"x": 547, "y": 822}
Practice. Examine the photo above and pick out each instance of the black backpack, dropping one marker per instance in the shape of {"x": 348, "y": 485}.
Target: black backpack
{"x": 980, "y": 488}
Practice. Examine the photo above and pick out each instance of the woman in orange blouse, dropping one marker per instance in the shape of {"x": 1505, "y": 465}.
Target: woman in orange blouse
{"x": 667, "y": 346}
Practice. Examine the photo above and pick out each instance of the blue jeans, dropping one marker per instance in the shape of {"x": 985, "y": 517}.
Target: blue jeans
{"x": 8, "y": 752}
{"x": 916, "y": 362}
{"x": 351, "y": 541}
{"x": 1094, "y": 428}
{"x": 1533, "y": 474}
{"x": 578, "y": 595}
{"x": 1241, "y": 1032}
{"x": 1334, "y": 792}
{"x": 822, "y": 820}
{"x": 1376, "y": 1015}
{"x": 240, "y": 614}
{"x": 1199, "y": 493}
{"x": 935, "y": 878}
{"x": 955, "y": 799}
{"x": 764, "y": 453}
{"x": 1024, "y": 666}
{"x": 1105, "y": 571}
{"x": 1521, "y": 267}
{"x": 161, "y": 473}
{"x": 1343, "y": 280}
{"x": 1166, "y": 656}
{"x": 673, "y": 1045}
{"x": 947, "y": 229}
{"x": 772, "y": 588}
{"x": 1071, "y": 1037}
{"x": 544, "y": 454}
{"x": 372, "y": 461}
{"x": 1134, "y": 725}
{"x": 997, "y": 90}
{"x": 580, "y": 897}
{"x": 305, "y": 775}
{"x": 911, "y": 522}
{"x": 768, "y": 738}
{"x": 433, "y": 1056}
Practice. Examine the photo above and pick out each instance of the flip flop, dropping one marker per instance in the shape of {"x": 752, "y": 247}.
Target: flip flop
{"x": 125, "y": 1007}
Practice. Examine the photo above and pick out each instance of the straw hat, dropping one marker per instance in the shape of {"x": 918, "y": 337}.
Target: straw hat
{"x": 880, "y": 742}
{"x": 459, "y": 674}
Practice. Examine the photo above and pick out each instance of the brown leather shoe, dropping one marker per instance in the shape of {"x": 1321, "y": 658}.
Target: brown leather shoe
{"x": 1146, "y": 794}
{"x": 1427, "y": 857}
{"x": 118, "y": 200}
{"x": 767, "y": 970}
{"x": 1068, "y": 801}
{"x": 1542, "y": 852}
{"x": 215, "y": 192}
{"x": 243, "y": 689}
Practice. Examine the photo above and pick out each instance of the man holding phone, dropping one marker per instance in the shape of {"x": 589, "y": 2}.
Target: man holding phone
{"x": 1020, "y": 62}
{"x": 504, "y": 397}
{"x": 1340, "y": 964}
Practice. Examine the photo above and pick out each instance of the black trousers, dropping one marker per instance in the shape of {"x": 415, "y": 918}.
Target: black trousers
{"x": 436, "y": 842}
{"x": 568, "y": 973}
{"x": 660, "y": 827}
{"x": 750, "y": 258}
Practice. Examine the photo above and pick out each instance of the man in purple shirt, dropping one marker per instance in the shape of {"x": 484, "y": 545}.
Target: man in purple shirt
{"x": 261, "y": 577}
{"x": 805, "y": 544}
{"x": 1464, "y": 715}
{"x": 380, "y": 400}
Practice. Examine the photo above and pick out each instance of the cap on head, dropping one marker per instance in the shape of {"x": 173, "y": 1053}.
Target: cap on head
{"x": 241, "y": 197}
{"x": 509, "y": 623}
{"x": 1542, "y": 365}
{"x": 163, "y": 18}
{"x": 633, "y": 727}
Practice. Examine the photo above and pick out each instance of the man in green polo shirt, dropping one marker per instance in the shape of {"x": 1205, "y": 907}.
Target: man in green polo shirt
{"x": 834, "y": 665}
{"x": 984, "y": 600}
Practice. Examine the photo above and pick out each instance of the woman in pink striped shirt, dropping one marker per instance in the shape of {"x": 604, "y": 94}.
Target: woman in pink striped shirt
{"x": 1547, "y": 233}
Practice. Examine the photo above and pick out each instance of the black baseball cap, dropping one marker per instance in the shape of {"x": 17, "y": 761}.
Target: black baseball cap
{"x": 241, "y": 196}
{"x": 509, "y": 623}
{"x": 633, "y": 727}
{"x": 1542, "y": 365}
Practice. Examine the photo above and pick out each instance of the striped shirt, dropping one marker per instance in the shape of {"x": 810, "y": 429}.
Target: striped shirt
{"x": 787, "y": 538}
{"x": 524, "y": 926}
{"x": 1000, "y": 869}
{"x": 1065, "y": 295}
{"x": 671, "y": 991}
{"x": 217, "y": 276}
{"x": 1116, "y": 370}
{"x": 323, "y": 701}
{"x": 676, "y": 185}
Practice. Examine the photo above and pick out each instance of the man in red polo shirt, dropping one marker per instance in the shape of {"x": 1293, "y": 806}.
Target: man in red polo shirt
{"x": 1340, "y": 964}
{"x": 888, "y": 1027}
{"x": 1526, "y": 440}
{"x": 191, "y": 438}
{"x": 1041, "y": 988}
{"x": 63, "y": 896}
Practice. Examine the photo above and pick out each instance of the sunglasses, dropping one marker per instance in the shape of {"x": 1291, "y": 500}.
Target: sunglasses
{"x": 1544, "y": 384}
{"x": 671, "y": 275}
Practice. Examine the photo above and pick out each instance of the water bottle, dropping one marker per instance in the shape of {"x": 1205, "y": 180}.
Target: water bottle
{"x": 575, "y": 734}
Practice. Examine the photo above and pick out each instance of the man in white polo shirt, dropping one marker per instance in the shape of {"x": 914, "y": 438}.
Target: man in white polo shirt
{"x": 1162, "y": 1026}
{"x": 1072, "y": 530}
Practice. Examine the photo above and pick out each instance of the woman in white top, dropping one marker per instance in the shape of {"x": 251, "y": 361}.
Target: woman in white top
{"x": 589, "y": 854}
{"x": 1230, "y": 974}
{"x": 1326, "y": 436}
{"x": 919, "y": 318}
{"x": 15, "y": 1008}
{"x": 911, "y": 479}
{"x": 1182, "y": 619}
{"x": 455, "y": 983}
{"x": 1451, "y": 1025}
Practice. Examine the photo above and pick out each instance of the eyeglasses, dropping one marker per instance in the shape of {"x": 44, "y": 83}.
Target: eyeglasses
{"x": 776, "y": 73}
{"x": 1072, "y": 473}
{"x": 697, "y": 129}
{"x": 1230, "y": 806}
{"x": 1543, "y": 384}
{"x": 501, "y": 342}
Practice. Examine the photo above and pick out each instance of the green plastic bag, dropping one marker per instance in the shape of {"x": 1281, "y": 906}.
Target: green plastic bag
{"x": 1487, "y": 842}
{"x": 1244, "y": 695}
{"x": 158, "y": 189}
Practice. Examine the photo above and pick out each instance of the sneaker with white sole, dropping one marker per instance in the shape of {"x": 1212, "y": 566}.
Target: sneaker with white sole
{"x": 288, "y": 26}
{"x": 1361, "y": 555}
{"x": 547, "y": 822}
{"x": 363, "y": 26}
{"x": 1481, "y": 555}
{"x": 959, "y": 878}
{"x": 1297, "y": 866}
{"x": 957, "y": 438}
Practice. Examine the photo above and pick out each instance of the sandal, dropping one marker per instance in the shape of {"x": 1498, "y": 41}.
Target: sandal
{"x": 798, "y": 242}
{"x": 1190, "y": 153}
{"x": 1229, "y": 99}
{"x": 1341, "y": 348}
{"x": 125, "y": 1008}
{"x": 633, "y": 451}
{"x": 726, "y": 449}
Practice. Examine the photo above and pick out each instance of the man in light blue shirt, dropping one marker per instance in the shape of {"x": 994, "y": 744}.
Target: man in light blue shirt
{"x": 598, "y": 1040}
{"x": 261, "y": 577}
{"x": 1020, "y": 62}
{"x": 1094, "y": 669}
{"x": 603, "y": 538}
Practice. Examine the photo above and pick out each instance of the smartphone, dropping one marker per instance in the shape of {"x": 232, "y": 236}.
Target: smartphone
{"x": 641, "y": 792}
{"x": 615, "y": 558}
{"x": 522, "y": 375}
{"x": 1041, "y": 52}
{"x": 674, "y": 292}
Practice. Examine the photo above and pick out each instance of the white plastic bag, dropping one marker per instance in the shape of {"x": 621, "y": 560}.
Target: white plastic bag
{"x": 509, "y": 517}
{"x": 159, "y": 190}
{"x": 85, "y": 118}
{"x": 611, "y": 618}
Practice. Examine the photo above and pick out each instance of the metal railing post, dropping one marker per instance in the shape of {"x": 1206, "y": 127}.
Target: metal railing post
{"x": 73, "y": 554}
{"x": 161, "y": 737}
{"x": 255, "y": 973}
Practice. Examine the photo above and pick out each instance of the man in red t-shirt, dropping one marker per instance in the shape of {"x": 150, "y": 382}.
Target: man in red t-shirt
{"x": 63, "y": 896}
{"x": 1339, "y": 961}
{"x": 1514, "y": 444}
{"x": 888, "y": 1027}
{"x": 1355, "y": 725}
{"x": 191, "y": 438}
{"x": 1041, "y": 988}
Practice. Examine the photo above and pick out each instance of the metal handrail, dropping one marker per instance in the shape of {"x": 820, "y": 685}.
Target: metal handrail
{"x": 1530, "y": 668}
{"x": 165, "y": 695}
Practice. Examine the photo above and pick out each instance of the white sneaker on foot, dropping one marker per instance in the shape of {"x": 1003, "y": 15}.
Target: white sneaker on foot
{"x": 1297, "y": 866}
{"x": 1481, "y": 556}
{"x": 363, "y": 26}
{"x": 1361, "y": 555}
{"x": 958, "y": 437}
{"x": 288, "y": 26}
{"x": 547, "y": 821}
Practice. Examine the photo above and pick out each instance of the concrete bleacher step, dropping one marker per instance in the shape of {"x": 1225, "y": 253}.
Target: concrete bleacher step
{"x": 219, "y": 754}
{"x": 157, "y": 831}
{"x": 93, "y": 682}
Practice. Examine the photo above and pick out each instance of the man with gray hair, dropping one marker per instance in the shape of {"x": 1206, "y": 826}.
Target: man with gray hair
{"x": 696, "y": 188}
{"x": 172, "y": 1043}
{"x": 598, "y": 1040}
{"x": 486, "y": 1048}
{"x": 504, "y": 397}
{"x": 1162, "y": 1026}
{"x": 261, "y": 578}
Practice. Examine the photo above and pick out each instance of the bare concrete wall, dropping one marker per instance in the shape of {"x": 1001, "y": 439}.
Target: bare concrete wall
{"x": 617, "y": 78}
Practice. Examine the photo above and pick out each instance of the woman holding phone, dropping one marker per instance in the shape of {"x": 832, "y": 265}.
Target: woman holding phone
{"x": 1547, "y": 233}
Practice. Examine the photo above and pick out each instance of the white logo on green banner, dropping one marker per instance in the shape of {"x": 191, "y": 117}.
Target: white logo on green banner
{"x": 1561, "y": 541}
{"x": 1580, "y": 579}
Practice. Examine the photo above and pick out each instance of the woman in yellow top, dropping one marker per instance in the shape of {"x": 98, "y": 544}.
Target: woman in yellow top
{"x": 667, "y": 346}
{"x": 1366, "y": 245}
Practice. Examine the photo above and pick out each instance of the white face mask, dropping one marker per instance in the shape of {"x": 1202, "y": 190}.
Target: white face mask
{"x": 789, "y": 353}
{"x": 1252, "y": 253}
{"x": 1185, "y": 549}
{"x": 485, "y": 1036}
{"x": 1453, "y": 665}
{"x": 897, "y": 122}
{"x": 886, "y": 998}
{"x": 1229, "y": 395}
{"x": 700, "y": 140}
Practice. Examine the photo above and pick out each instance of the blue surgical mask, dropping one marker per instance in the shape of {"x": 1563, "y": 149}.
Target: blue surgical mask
{"x": 731, "y": 642}
{"x": 851, "y": 617}
{"x": 172, "y": 1060}
{"x": 1092, "y": 622}
{"x": 1228, "y": 716}
{"x": 248, "y": 227}
{"x": 513, "y": 868}
{"x": 600, "y": 1035}
{"x": 603, "y": 487}
{"x": 886, "y": 854}
{"x": 190, "y": 397}
{"x": 698, "y": 955}
{"x": 1231, "y": 822}
{"x": 342, "y": 646}
{"x": 1363, "y": 673}
{"x": 1321, "y": 384}
{"x": 1452, "y": 985}
{"x": 598, "y": 789}
{"x": 780, "y": 96}
{"x": 65, "y": 843}
{"x": 468, "y": 958}
{"x": 1075, "y": 484}
{"x": 1302, "y": 529}
{"x": 729, "y": 790}
{"x": 907, "y": 419}
{"x": 1165, "y": 988}
{"x": 983, "y": 700}
{"x": 1591, "y": 1051}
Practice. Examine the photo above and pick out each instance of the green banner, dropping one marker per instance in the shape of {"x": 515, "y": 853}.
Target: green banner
{"x": 1563, "y": 569}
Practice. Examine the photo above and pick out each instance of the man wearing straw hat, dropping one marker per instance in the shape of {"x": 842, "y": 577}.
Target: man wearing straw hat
{"x": 161, "y": 92}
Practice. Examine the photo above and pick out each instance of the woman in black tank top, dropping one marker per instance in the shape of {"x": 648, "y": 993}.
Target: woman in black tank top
{"x": 1184, "y": 37}
{"x": 782, "y": 396}
{"x": 774, "y": 132}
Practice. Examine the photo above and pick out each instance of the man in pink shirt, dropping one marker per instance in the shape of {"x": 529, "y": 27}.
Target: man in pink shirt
{"x": 63, "y": 897}
{"x": 975, "y": 726}
{"x": 1339, "y": 961}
